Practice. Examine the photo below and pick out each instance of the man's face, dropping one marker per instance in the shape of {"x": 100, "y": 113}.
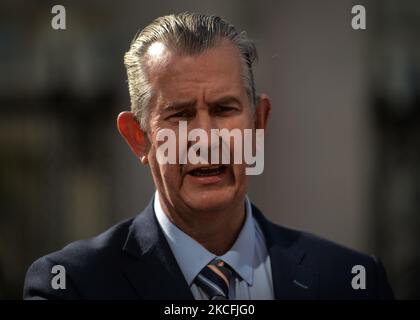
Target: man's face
{"x": 208, "y": 92}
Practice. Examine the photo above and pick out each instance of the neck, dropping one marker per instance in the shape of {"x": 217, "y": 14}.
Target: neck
{"x": 215, "y": 230}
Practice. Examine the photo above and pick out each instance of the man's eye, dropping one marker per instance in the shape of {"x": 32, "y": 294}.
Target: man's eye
{"x": 224, "y": 109}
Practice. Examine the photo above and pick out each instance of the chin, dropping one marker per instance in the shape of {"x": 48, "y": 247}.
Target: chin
{"x": 210, "y": 200}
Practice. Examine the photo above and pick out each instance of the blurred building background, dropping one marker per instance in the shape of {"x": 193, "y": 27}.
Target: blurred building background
{"x": 343, "y": 148}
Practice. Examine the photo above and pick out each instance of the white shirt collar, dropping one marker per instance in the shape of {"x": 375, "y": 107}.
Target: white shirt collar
{"x": 192, "y": 257}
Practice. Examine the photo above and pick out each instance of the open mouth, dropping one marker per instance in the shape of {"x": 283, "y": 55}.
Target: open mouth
{"x": 208, "y": 171}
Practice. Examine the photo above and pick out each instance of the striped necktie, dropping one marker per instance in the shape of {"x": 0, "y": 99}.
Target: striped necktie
{"x": 214, "y": 280}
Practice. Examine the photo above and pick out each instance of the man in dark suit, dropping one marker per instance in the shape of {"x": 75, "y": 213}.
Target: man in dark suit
{"x": 200, "y": 237}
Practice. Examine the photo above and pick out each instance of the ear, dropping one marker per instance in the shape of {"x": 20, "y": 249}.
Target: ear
{"x": 262, "y": 112}
{"x": 136, "y": 139}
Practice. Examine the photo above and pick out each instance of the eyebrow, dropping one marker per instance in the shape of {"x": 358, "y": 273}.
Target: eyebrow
{"x": 174, "y": 106}
{"x": 225, "y": 100}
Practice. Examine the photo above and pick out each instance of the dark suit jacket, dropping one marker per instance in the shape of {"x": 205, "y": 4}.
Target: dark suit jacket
{"x": 132, "y": 260}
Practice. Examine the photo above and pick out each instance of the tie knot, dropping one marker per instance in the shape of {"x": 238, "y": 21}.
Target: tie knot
{"x": 214, "y": 280}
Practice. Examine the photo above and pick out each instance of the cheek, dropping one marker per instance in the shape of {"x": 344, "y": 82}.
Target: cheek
{"x": 170, "y": 173}
{"x": 153, "y": 163}
{"x": 239, "y": 173}
{"x": 242, "y": 122}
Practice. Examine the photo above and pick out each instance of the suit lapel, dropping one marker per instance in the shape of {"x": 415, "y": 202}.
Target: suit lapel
{"x": 293, "y": 279}
{"x": 154, "y": 272}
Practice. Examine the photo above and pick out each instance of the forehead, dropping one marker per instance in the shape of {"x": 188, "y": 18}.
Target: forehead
{"x": 214, "y": 72}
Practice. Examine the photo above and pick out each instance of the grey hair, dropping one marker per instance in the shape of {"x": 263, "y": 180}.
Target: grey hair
{"x": 187, "y": 33}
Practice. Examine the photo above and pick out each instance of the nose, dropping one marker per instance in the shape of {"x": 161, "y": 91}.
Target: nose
{"x": 203, "y": 120}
